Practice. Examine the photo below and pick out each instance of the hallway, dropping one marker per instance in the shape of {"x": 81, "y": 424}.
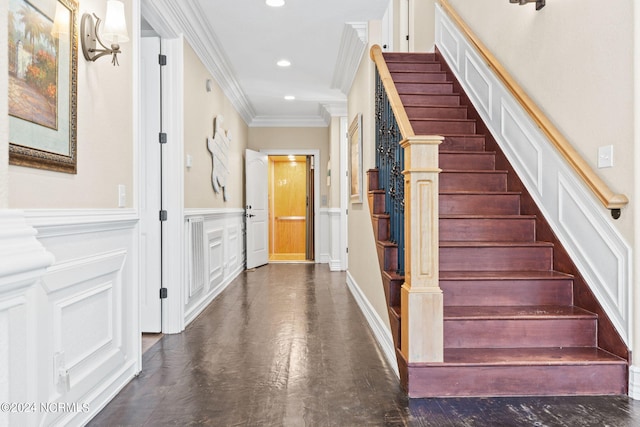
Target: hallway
{"x": 286, "y": 345}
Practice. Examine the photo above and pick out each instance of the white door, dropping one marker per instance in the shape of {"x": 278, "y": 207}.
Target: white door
{"x": 150, "y": 302}
{"x": 257, "y": 209}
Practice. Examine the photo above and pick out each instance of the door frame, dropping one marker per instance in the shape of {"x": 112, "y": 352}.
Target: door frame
{"x": 149, "y": 192}
{"x": 316, "y": 184}
{"x": 173, "y": 172}
{"x": 345, "y": 196}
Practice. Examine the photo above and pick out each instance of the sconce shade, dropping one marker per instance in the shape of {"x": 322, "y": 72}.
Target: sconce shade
{"x": 114, "y": 30}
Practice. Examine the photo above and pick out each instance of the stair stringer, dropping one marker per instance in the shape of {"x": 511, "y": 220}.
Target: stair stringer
{"x": 587, "y": 244}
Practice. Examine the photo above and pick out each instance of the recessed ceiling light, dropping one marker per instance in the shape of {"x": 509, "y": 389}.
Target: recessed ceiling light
{"x": 275, "y": 3}
{"x": 289, "y": 97}
{"x": 283, "y": 63}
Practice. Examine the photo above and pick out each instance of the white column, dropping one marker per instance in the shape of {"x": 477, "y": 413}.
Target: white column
{"x": 422, "y": 302}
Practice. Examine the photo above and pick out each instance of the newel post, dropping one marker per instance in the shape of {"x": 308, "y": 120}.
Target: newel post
{"x": 422, "y": 302}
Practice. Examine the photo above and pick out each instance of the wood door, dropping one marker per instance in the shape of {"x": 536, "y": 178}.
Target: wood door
{"x": 288, "y": 194}
{"x": 257, "y": 196}
{"x": 150, "y": 226}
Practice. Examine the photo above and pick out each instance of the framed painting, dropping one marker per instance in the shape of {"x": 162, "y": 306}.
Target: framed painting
{"x": 355, "y": 159}
{"x": 43, "y": 77}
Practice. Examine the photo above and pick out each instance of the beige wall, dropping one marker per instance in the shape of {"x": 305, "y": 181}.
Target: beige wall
{"x": 200, "y": 107}
{"x": 363, "y": 260}
{"x": 422, "y": 15}
{"x": 576, "y": 63}
{"x": 4, "y": 121}
{"x": 105, "y": 138}
{"x": 275, "y": 138}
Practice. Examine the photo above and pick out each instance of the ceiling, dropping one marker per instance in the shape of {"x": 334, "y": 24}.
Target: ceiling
{"x": 241, "y": 41}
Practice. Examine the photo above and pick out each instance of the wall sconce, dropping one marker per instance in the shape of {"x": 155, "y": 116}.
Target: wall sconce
{"x": 539, "y": 3}
{"x": 114, "y": 33}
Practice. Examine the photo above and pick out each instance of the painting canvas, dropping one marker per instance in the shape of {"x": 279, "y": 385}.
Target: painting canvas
{"x": 42, "y": 71}
{"x": 355, "y": 159}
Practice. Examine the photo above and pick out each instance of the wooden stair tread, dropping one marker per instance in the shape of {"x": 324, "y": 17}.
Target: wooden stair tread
{"x": 412, "y": 61}
{"x": 473, "y": 244}
{"x": 468, "y": 216}
{"x": 475, "y": 171}
{"x": 504, "y": 275}
{"x": 475, "y": 153}
{"x": 413, "y": 104}
{"x": 417, "y": 81}
{"x": 443, "y": 119}
{"x": 393, "y": 275}
{"x": 380, "y": 215}
{"x": 514, "y": 312}
{"x": 428, "y": 94}
{"x": 529, "y": 356}
{"x": 476, "y": 193}
{"x": 395, "y": 309}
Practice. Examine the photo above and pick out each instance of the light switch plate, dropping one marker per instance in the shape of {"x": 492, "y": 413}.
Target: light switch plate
{"x": 605, "y": 156}
{"x": 122, "y": 196}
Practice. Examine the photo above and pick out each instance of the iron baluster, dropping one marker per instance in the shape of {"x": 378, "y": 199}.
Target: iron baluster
{"x": 390, "y": 164}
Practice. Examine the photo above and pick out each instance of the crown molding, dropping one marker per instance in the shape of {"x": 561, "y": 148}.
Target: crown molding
{"x": 352, "y": 46}
{"x": 289, "y": 121}
{"x": 171, "y": 18}
{"x": 334, "y": 109}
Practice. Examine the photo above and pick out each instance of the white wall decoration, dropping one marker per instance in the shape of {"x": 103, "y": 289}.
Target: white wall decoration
{"x": 218, "y": 146}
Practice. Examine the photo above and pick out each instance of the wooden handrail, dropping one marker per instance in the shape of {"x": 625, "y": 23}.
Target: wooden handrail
{"x": 607, "y": 197}
{"x": 394, "y": 98}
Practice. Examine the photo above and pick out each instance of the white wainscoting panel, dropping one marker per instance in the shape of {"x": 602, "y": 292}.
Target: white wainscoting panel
{"x": 335, "y": 261}
{"x": 23, "y": 261}
{"x": 583, "y": 226}
{"x": 634, "y": 382}
{"x": 217, "y": 266}
{"x": 223, "y": 234}
{"x": 88, "y": 310}
{"x": 323, "y": 246}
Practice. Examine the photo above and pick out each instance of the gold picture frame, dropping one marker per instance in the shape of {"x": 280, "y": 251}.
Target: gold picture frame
{"x": 43, "y": 82}
{"x": 355, "y": 159}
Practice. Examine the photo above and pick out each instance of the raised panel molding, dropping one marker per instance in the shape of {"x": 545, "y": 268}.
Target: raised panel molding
{"x": 225, "y": 255}
{"x": 216, "y": 257}
{"x": 478, "y": 83}
{"x": 585, "y": 229}
{"x": 86, "y": 309}
{"x": 448, "y": 41}
{"x": 523, "y": 147}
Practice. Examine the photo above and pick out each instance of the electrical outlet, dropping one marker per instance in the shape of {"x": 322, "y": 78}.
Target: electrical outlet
{"x": 189, "y": 160}
{"x": 605, "y": 156}
{"x": 61, "y": 374}
{"x": 122, "y": 196}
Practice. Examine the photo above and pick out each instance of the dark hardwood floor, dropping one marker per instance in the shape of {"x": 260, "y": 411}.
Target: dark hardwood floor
{"x": 286, "y": 345}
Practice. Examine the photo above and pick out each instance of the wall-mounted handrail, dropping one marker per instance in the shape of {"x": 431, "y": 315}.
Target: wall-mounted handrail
{"x": 394, "y": 98}
{"x": 607, "y": 197}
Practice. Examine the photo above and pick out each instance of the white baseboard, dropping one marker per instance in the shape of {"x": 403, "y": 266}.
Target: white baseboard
{"x": 634, "y": 382}
{"x": 195, "y": 312}
{"x": 378, "y": 327}
{"x": 335, "y": 265}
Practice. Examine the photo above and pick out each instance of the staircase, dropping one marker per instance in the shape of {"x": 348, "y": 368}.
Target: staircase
{"x": 510, "y": 324}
